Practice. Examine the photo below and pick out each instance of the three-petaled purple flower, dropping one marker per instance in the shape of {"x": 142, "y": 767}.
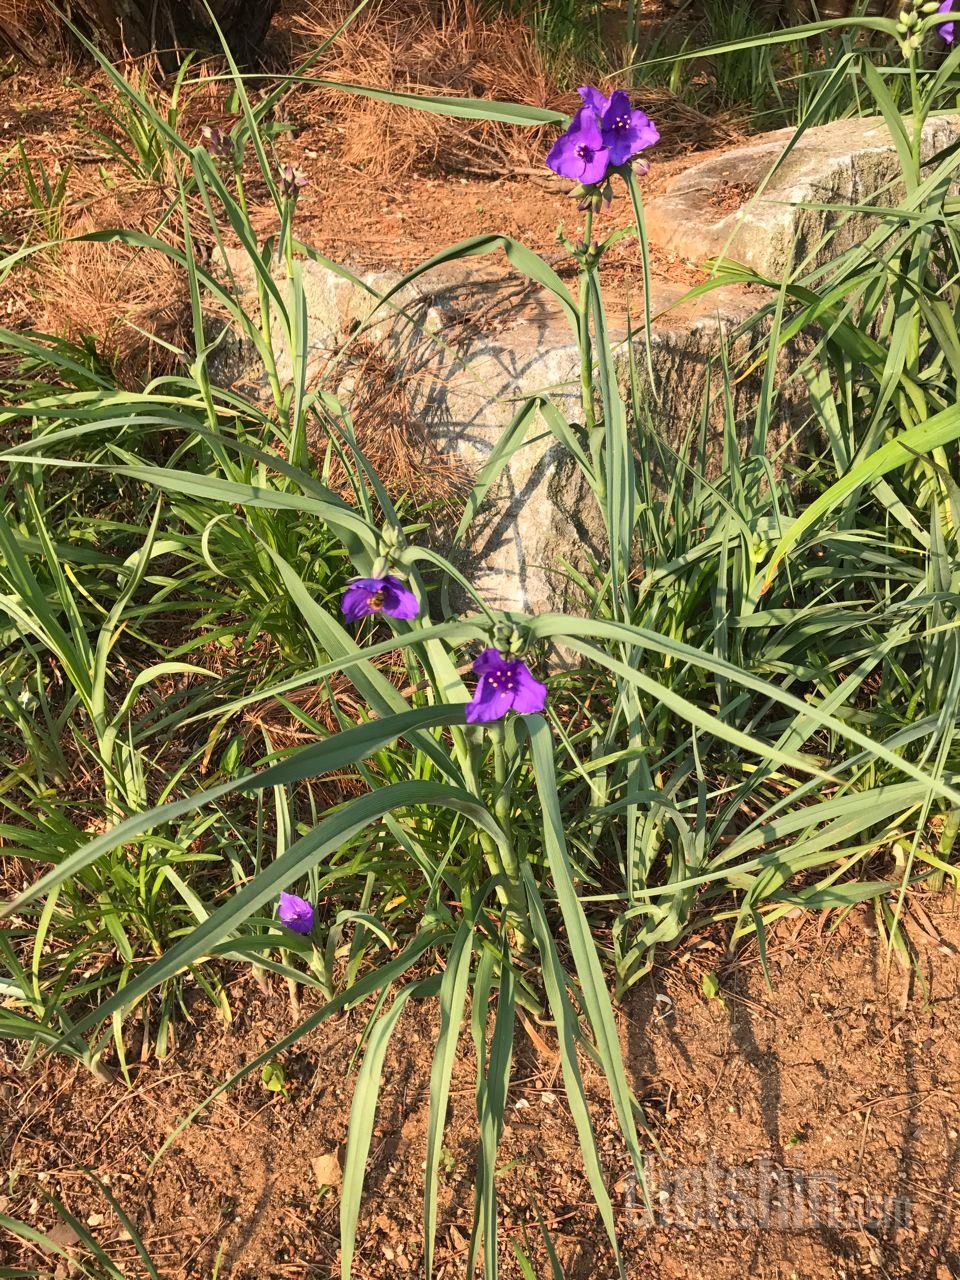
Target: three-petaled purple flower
{"x": 295, "y": 913}
{"x": 947, "y": 29}
{"x": 580, "y": 153}
{"x": 378, "y": 595}
{"x": 505, "y": 684}
{"x": 603, "y": 135}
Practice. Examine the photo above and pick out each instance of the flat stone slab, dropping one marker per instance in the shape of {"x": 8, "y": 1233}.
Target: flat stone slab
{"x": 716, "y": 208}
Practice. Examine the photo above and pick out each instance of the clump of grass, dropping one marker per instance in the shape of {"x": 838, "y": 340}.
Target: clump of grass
{"x": 740, "y": 77}
{"x": 568, "y": 33}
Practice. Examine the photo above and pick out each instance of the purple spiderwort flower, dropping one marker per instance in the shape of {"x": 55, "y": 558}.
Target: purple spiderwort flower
{"x": 625, "y": 130}
{"x": 947, "y": 30}
{"x": 505, "y": 684}
{"x": 378, "y": 595}
{"x": 604, "y": 134}
{"x": 594, "y": 99}
{"x": 295, "y": 913}
{"x": 292, "y": 182}
{"x": 579, "y": 153}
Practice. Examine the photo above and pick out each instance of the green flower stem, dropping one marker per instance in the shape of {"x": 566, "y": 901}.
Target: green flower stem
{"x": 598, "y": 435}
{"x": 273, "y": 377}
{"x": 586, "y": 349}
{"x": 503, "y": 803}
{"x": 595, "y": 435}
{"x": 502, "y": 857}
{"x": 919, "y": 114}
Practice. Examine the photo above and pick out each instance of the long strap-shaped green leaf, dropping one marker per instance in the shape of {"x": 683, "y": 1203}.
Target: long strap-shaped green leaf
{"x": 515, "y": 113}
{"x": 362, "y": 1115}
{"x": 339, "y": 752}
{"x": 518, "y": 255}
{"x": 48, "y": 1244}
{"x": 554, "y": 982}
{"x": 596, "y": 997}
{"x": 618, "y": 461}
{"x": 550, "y": 626}
{"x": 354, "y": 531}
{"x": 937, "y": 431}
{"x": 692, "y": 713}
{"x": 453, "y": 994}
{"x": 325, "y": 838}
{"x": 493, "y": 1085}
{"x": 452, "y": 633}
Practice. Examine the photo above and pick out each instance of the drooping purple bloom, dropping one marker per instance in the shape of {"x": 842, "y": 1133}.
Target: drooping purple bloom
{"x": 217, "y": 142}
{"x": 593, "y": 98}
{"x": 579, "y": 153}
{"x": 378, "y": 595}
{"x": 626, "y": 132}
{"x": 505, "y": 684}
{"x": 948, "y": 29}
{"x": 292, "y": 181}
{"x": 295, "y": 913}
{"x": 603, "y": 135}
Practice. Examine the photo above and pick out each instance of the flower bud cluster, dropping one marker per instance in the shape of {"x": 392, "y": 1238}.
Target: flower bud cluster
{"x": 910, "y": 22}
{"x": 389, "y": 548}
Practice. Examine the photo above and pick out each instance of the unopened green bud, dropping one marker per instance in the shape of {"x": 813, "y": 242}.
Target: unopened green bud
{"x": 507, "y": 638}
{"x": 759, "y": 548}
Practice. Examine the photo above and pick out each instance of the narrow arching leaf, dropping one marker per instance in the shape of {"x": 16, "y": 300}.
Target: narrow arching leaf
{"x": 453, "y": 994}
{"x": 554, "y": 981}
{"x": 596, "y": 997}
{"x": 920, "y": 440}
{"x": 362, "y": 1114}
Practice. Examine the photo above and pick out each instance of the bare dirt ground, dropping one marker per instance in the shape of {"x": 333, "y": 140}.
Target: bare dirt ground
{"x": 811, "y": 1131}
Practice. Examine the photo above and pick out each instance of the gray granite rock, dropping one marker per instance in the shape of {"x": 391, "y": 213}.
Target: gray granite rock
{"x": 469, "y": 346}
{"x": 468, "y": 343}
{"x": 716, "y": 207}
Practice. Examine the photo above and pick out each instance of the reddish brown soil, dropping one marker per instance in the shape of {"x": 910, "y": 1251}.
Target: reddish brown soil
{"x": 832, "y": 1102}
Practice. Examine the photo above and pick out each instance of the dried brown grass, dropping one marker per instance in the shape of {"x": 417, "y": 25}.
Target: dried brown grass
{"x": 395, "y": 440}
{"x": 414, "y": 46}
{"x": 21, "y": 28}
{"x": 130, "y": 300}
{"x": 452, "y": 47}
